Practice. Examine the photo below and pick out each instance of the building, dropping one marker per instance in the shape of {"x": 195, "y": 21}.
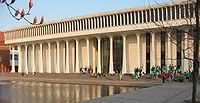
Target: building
{"x": 123, "y": 40}
{"x": 4, "y": 55}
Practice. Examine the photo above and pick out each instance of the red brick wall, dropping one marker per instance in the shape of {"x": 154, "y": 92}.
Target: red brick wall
{"x": 4, "y": 55}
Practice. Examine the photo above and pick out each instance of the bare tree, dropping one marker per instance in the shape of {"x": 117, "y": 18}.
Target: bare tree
{"x": 190, "y": 53}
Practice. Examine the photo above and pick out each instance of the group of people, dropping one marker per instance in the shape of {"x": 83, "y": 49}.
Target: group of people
{"x": 170, "y": 72}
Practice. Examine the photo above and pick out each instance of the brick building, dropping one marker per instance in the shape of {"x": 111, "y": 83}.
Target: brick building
{"x": 4, "y": 55}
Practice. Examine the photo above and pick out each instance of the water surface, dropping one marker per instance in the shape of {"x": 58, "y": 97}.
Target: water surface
{"x": 34, "y": 92}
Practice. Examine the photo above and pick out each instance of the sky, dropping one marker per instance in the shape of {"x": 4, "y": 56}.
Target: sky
{"x": 53, "y": 10}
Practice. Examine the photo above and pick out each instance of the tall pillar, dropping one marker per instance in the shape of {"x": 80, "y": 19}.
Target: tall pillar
{"x": 185, "y": 61}
{"x": 111, "y": 71}
{"x": 33, "y": 58}
{"x": 99, "y": 55}
{"x": 49, "y": 57}
{"x": 26, "y": 59}
{"x": 88, "y": 52}
{"x": 152, "y": 49}
{"x": 13, "y": 59}
{"x": 124, "y": 55}
{"x": 77, "y": 56}
{"x": 67, "y": 56}
{"x": 19, "y": 59}
{"x": 41, "y": 59}
{"x": 58, "y": 57}
{"x": 168, "y": 49}
{"x": 138, "y": 48}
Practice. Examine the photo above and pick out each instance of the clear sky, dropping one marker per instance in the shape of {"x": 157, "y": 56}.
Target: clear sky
{"x": 61, "y": 9}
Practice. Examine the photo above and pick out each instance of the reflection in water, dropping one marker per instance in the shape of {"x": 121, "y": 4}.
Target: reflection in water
{"x": 32, "y": 92}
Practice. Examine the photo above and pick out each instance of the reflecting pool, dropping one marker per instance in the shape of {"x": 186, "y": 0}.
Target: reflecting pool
{"x": 39, "y": 92}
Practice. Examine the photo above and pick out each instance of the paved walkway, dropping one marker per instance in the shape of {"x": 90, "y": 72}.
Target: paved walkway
{"x": 79, "y": 79}
{"x": 167, "y": 93}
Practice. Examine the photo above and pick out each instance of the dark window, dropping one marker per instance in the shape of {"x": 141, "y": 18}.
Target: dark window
{"x": 112, "y": 21}
{"x": 156, "y": 14}
{"x": 108, "y": 21}
{"x": 186, "y": 11}
{"x": 148, "y": 16}
{"x": 144, "y": 16}
{"x": 177, "y": 12}
{"x": 136, "y": 15}
{"x": 164, "y": 14}
{"x": 125, "y": 22}
{"x": 133, "y": 17}
{"x": 152, "y": 15}
{"x": 173, "y": 12}
{"x": 118, "y": 19}
{"x": 93, "y": 20}
{"x": 102, "y": 22}
{"x": 178, "y": 39}
{"x": 160, "y": 14}
{"x": 191, "y": 10}
{"x": 122, "y": 19}
{"x": 168, "y": 13}
{"x": 129, "y": 17}
{"x": 73, "y": 28}
{"x": 182, "y": 11}
{"x": 140, "y": 16}
{"x": 163, "y": 38}
{"x": 115, "y": 16}
{"x": 148, "y": 36}
{"x": 106, "y": 24}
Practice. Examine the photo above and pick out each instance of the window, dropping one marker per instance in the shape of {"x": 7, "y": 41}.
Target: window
{"x": 140, "y": 16}
{"x": 129, "y": 17}
{"x": 152, "y": 15}
{"x": 148, "y": 16}
{"x": 133, "y": 17}
{"x": 191, "y": 10}
{"x": 168, "y": 13}
{"x": 160, "y": 14}
{"x": 126, "y": 19}
{"x": 186, "y": 11}
{"x": 182, "y": 11}
{"x": 173, "y": 12}
{"x": 156, "y": 14}
{"x": 136, "y": 17}
{"x": 118, "y": 19}
{"x": 144, "y": 16}
{"x": 177, "y": 12}
{"x": 164, "y": 14}
{"x": 122, "y": 19}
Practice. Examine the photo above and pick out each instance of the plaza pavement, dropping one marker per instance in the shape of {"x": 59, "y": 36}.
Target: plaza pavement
{"x": 166, "y": 93}
{"x": 78, "y": 79}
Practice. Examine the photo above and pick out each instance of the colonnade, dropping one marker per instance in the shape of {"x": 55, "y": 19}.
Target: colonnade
{"x": 59, "y": 59}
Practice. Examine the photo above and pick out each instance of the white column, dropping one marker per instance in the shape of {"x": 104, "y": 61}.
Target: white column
{"x": 41, "y": 59}
{"x": 185, "y": 61}
{"x": 19, "y": 59}
{"x": 99, "y": 55}
{"x": 49, "y": 56}
{"x": 88, "y": 52}
{"x": 33, "y": 58}
{"x": 111, "y": 71}
{"x": 58, "y": 57}
{"x": 152, "y": 53}
{"x": 67, "y": 56}
{"x": 26, "y": 59}
{"x": 138, "y": 47}
{"x": 124, "y": 55}
{"x": 77, "y": 56}
{"x": 13, "y": 59}
{"x": 168, "y": 49}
